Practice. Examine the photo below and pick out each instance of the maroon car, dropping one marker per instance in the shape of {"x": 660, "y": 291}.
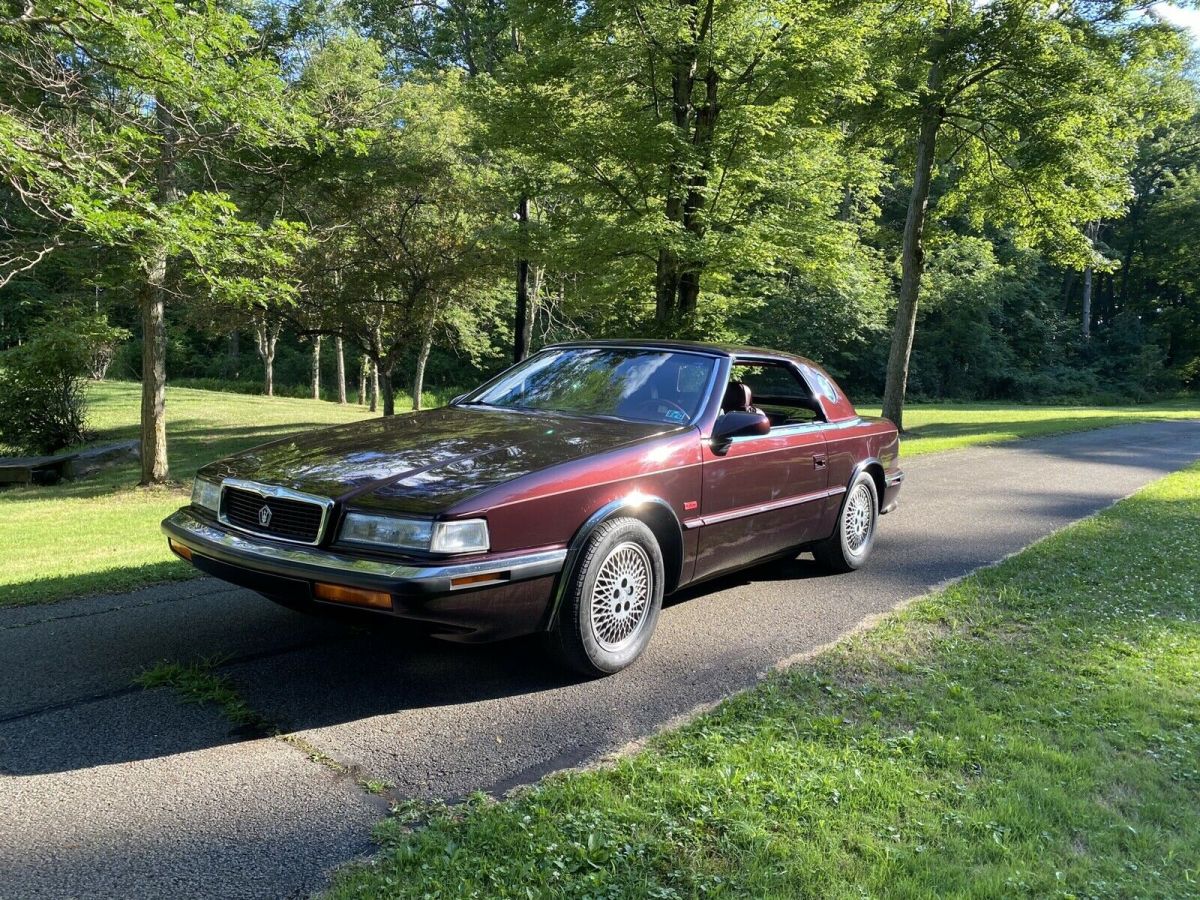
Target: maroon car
{"x": 565, "y": 496}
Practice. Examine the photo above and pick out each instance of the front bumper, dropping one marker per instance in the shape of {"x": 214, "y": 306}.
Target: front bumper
{"x": 514, "y": 600}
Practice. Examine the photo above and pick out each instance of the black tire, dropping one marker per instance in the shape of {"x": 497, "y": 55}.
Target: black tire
{"x": 848, "y": 547}
{"x": 599, "y": 645}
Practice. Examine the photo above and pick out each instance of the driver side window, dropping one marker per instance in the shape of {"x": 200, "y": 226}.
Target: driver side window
{"x": 779, "y": 392}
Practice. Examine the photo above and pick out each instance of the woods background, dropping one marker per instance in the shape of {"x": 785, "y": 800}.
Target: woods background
{"x": 945, "y": 199}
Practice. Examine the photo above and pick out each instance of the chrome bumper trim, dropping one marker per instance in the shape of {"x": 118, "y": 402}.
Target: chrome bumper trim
{"x": 299, "y": 561}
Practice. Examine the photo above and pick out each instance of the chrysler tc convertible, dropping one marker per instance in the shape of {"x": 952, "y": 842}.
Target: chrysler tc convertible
{"x": 565, "y": 497}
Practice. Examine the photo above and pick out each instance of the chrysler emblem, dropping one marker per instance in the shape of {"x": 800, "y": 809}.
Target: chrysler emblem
{"x": 264, "y": 516}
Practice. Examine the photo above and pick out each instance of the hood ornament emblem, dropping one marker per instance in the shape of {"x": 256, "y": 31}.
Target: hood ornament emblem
{"x": 264, "y": 516}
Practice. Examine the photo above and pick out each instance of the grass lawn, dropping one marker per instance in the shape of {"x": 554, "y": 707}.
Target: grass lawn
{"x": 115, "y": 544}
{"x": 947, "y": 426}
{"x": 1033, "y": 731}
{"x": 101, "y": 533}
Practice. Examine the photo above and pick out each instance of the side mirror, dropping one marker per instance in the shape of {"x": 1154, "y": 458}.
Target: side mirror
{"x": 738, "y": 424}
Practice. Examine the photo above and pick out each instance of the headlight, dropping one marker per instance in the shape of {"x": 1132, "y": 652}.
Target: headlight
{"x": 387, "y": 531}
{"x": 465, "y": 536}
{"x": 206, "y": 494}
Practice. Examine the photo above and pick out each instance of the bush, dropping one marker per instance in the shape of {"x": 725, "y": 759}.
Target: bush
{"x": 43, "y": 407}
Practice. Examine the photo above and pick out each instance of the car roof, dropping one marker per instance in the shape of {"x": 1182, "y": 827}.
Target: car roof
{"x": 710, "y": 349}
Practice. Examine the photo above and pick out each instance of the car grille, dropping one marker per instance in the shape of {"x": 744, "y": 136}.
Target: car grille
{"x": 290, "y": 520}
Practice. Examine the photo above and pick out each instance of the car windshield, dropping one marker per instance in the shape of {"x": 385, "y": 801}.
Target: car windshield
{"x": 645, "y": 385}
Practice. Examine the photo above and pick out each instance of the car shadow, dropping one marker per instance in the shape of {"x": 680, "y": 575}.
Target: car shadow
{"x": 293, "y": 671}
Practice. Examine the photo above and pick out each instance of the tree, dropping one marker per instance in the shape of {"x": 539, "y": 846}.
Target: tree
{"x": 399, "y": 214}
{"x": 700, "y": 137}
{"x": 1020, "y": 108}
{"x": 114, "y": 121}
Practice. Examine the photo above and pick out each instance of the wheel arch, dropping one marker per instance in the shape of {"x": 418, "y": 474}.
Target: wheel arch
{"x": 872, "y": 466}
{"x": 655, "y": 513}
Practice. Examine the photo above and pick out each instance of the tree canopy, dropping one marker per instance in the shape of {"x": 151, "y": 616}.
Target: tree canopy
{"x": 934, "y": 198}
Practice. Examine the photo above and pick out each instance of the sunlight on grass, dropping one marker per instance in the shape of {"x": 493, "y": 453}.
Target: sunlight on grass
{"x": 1032, "y": 731}
{"x": 101, "y": 533}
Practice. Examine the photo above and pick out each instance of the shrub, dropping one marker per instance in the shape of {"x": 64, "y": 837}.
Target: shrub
{"x": 43, "y": 407}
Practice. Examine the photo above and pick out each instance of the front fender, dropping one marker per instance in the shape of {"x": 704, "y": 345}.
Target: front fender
{"x": 636, "y": 506}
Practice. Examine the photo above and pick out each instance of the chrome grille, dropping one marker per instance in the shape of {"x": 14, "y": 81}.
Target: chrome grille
{"x": 274, "y": 512}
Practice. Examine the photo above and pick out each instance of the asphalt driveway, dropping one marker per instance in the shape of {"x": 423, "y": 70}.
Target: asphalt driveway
{"x": 110, "y": 790}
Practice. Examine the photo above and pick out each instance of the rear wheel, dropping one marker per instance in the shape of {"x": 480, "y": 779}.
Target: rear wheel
{"x": 850, "y": 544}
{"x": 610, "y": 607}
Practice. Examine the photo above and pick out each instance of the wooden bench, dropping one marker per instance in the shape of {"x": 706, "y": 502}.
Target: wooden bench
{"x": 36, "y": 469}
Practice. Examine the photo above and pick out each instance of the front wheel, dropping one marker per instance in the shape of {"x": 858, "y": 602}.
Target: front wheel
{"x": 850, "y": 544}
{"x": 611, "y": 604}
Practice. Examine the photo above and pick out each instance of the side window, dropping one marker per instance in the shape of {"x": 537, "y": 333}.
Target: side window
{"x": 779, "y": 392}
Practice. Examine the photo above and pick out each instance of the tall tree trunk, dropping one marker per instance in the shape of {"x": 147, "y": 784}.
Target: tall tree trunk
{"x": 667, "y": 274}
{"x": 377, "y": 348}
{"x": 362, "y": 380}
{"x": 154, "y": 374}
{"x": 912, "y": 259}
{"x": 316, "y": 367}
{"x": 389, "y": 395}
{"x": 340, "y": 352}
{"x": 521, "y": 318}
{"x": 154, "y": 322}
{"x": 1085, "y": 324}
{"x": 419, "y": 374}
{"x": 693, "y": 206}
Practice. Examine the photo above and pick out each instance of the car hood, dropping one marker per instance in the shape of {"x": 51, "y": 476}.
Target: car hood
{"x": 428, "y": 461}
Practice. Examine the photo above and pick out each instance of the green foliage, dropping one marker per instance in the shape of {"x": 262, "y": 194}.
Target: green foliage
{"x": 43, "y": 403}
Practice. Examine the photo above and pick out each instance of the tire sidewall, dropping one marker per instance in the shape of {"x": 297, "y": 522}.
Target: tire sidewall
{"x": 856, "y": 559}
{"x": 608, "y": 536}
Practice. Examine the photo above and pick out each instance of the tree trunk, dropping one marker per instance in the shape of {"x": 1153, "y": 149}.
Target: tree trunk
{"x": 266, "y": 337}
{"x": 419, "y": 375}
{"x": 154, "y": 323}
{"x": 341, "y": 369}
{"x": 521, "y": 318}
{"x": 154, "y": 374}
{"x": 912, "y": 259}
{"x": 389, "y": 396}
{"x": 316, "y": 367}
{"x": 1085, "y": 324}
{"x": 693, "y": 206}
{"x": 667, "y": 274}
{"x": 374, "y": 386}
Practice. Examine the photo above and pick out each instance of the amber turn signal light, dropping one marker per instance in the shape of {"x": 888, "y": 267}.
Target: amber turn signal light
{"x": 336, "y": 593}
{"x": 488, "y": 578}
{"x": 179, "y": 549}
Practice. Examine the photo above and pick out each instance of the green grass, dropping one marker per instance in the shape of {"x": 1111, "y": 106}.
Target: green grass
{"x": 1032, "y": 731}
{"x": 100, "y": 534}
{"x": 930, "y": 428}
{"x": 197, "y": 683}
